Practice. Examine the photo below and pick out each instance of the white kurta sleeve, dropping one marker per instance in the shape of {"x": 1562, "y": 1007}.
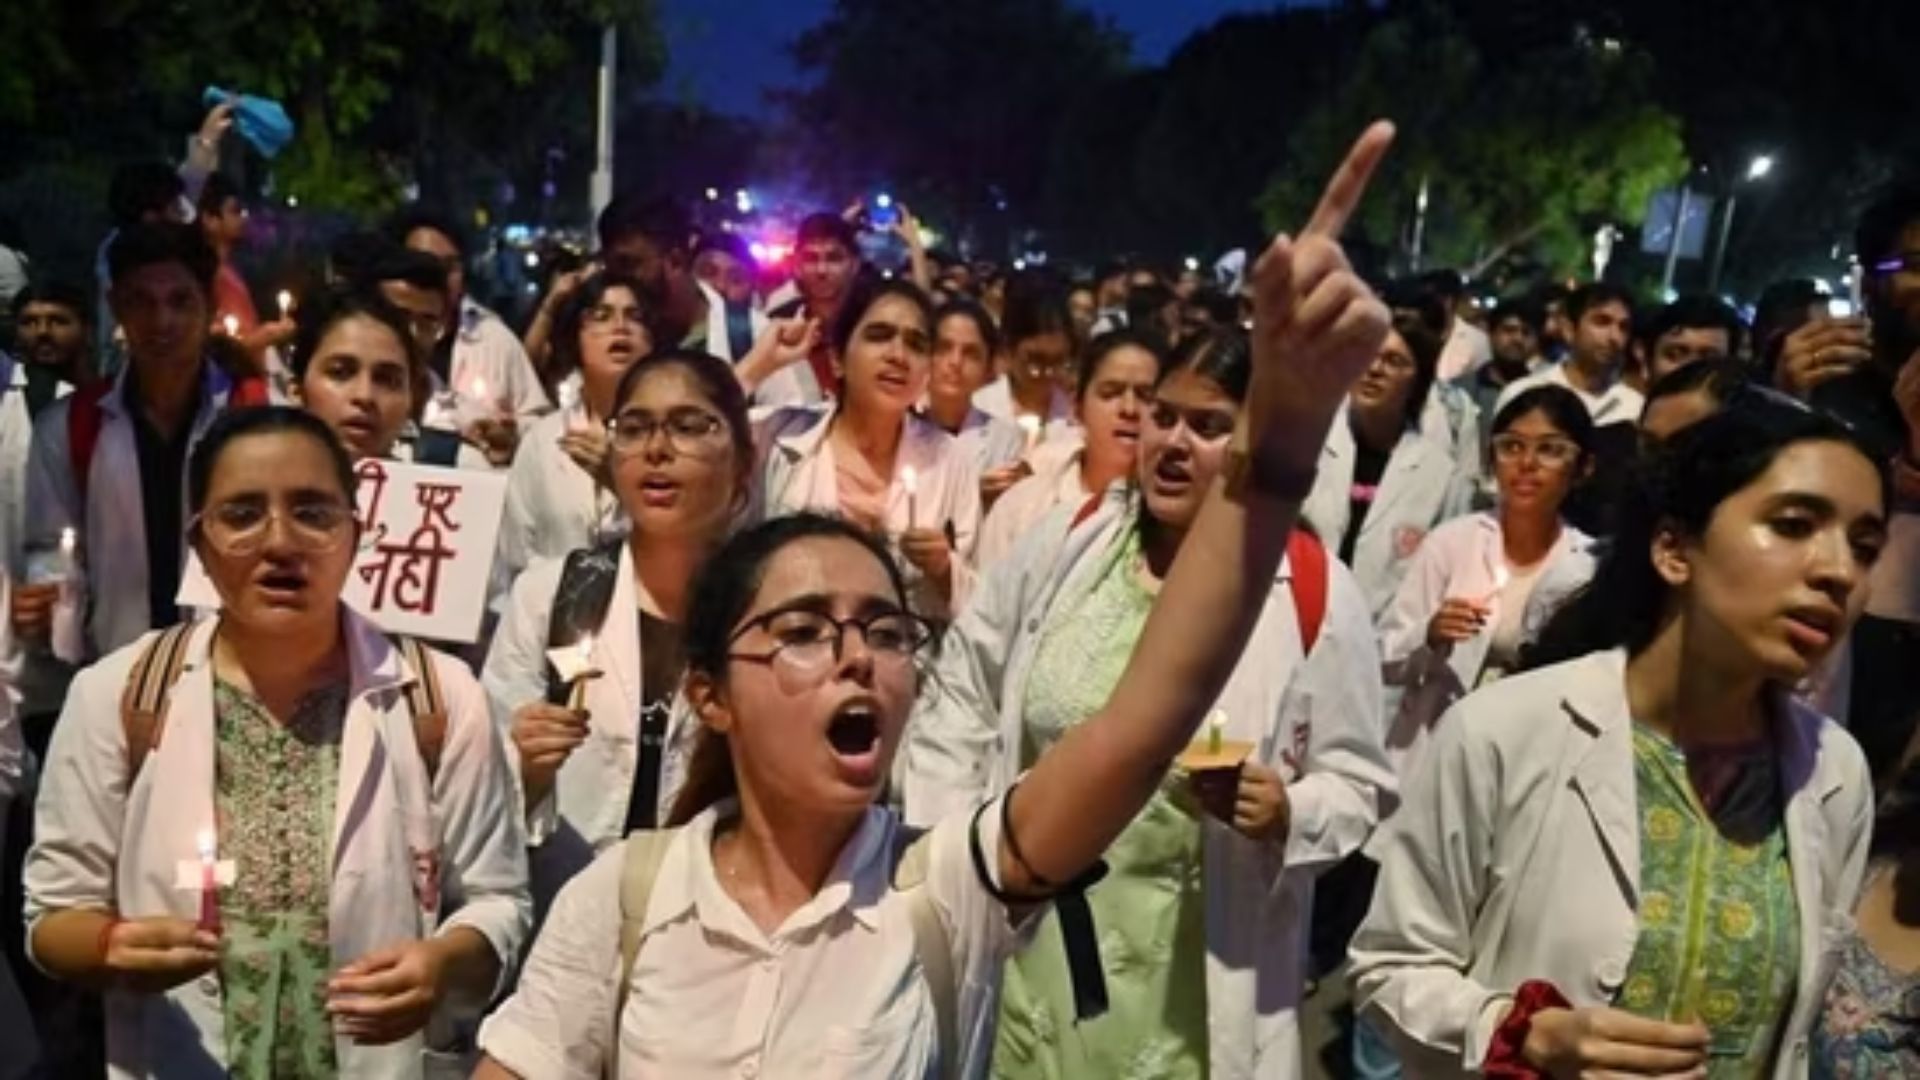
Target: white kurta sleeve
{"x": 1411, "y": 955}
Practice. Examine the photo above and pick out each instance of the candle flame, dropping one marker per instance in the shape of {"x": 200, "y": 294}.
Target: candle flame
{"x": 68, "y": 540}
{"x": 232, "y": 325}
{"x": 286, "y": 302}
{"x": 205, "y": 842}
{"x": 909, "y": 479}
{"x": 479, "y": 388}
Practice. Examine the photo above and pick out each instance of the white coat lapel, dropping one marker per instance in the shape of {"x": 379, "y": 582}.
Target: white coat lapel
{"x": 618, "y": 653}
{"x": 1807, "y": 790}
{"x": 376, "y": 682}
{"x": 1406, "y": 472}
{"x": 1602, "y": 767}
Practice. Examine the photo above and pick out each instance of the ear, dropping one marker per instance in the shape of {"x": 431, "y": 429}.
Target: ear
{"x": 703, "y": 693}
{"x": 1669, "y": 555}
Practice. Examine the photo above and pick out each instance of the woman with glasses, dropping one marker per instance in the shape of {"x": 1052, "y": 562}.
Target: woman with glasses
{"x": 1036, "y": 342}
{"x": 792, "y": 926}
{"x": 1113, "y": 394}
{"x": 1644, "y": 861}
{"x": 871, "y": 458}
{"x": 355, "y": 366}
{"x": 276, "y": 871}
{"x": 1475, "y": 590}
{"x": 1203, "y": 913}
{"x": 557, "y": 496}
{"x": 680, "y": 456}
{"x": 1383, "y": 485}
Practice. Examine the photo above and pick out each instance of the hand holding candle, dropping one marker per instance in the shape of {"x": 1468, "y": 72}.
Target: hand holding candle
{"x": 209, "y": 882}
{"x": 574, "y": 664}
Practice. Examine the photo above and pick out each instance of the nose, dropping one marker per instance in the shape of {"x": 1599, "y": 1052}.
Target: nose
{"x": 853, "y": 659}
{"x": 1833, "y": 568}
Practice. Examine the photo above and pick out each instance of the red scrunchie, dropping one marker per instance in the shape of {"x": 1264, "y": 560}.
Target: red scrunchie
{"x": 1504, "y": 1058}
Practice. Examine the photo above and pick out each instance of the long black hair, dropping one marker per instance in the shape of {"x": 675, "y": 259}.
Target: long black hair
{"x": 1679, "y": 485}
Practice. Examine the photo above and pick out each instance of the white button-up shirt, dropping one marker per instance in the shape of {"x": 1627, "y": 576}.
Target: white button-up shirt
{"x": 835, "y": 991}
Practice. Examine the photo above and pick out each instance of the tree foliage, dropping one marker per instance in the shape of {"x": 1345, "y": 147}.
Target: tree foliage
{"x": 1528, "y": 152}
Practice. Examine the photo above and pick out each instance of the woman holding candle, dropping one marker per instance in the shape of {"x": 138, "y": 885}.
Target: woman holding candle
{"x": 773, "y": 935}
{"x": 853, "y": 458}
{"x": 1582, "y": 837}
{"x": 295, "y": 767}
{"x": 608, "y": 755}
{"x": 557, "y": 496}
{"x": 1203, "y": 914}
{"x": 965, "y": 342}
{"x": 1474, "y": 590}
{"x": 1112, "y": 395}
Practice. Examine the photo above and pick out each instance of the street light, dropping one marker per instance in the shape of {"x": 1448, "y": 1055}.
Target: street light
{"x": 1757, "y": 169}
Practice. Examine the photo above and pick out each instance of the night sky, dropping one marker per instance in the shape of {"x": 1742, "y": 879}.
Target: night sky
{"x": 725, "y": 61}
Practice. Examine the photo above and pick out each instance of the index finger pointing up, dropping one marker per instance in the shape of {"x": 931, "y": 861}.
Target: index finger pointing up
{"x": 1349, "y": 182}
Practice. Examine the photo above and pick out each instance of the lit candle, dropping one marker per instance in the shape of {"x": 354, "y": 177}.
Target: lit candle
{"x": 910, "y": 480}
{"x": 69, "y": 549}
{"x": 286, "y": 303}
{"x": 1030, "y": 426}
{"x": 1216, "y": 725}
{"x": 1857, "y": 288}
{"x": 479, "y": 388}
{"x": 232, "y": 325}
{"x": 209, "y": 883}
{"x": 577, "y": 692}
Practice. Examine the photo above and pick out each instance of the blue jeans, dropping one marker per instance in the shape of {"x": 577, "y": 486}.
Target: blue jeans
{"x": 1373, "y": 1056}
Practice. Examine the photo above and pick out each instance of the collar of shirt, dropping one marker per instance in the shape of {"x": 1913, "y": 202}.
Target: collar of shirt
{"x": 690, "y": 884}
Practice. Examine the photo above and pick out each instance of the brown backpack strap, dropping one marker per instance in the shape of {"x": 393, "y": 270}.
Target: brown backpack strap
{"x": 143, "y": 702}
{"x": 425, "y": 702}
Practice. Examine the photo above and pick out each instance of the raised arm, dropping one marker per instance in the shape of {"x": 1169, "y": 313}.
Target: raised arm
{"x": 1316, "y": 327}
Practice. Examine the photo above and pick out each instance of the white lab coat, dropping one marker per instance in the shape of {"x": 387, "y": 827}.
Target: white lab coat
{"x": 112, "y": 527}
{"x": 1516, "y": 856}
{"x": 996, "y": 399}
{"x": 1422, "y": 486}
{"x": 797, "y": 473}
{"x": 1316, "y": 722}
{"x": 588, "y": 808}
{"x": 992, "y": 441}
{"x": 103, "y": 846}
{"x": 485, "y": 349}
{"x": 1459, "y": 559}
{"x": 1056, "y": 481}
{"x": 553, "y": 506}
{"x": 794, "y": 384}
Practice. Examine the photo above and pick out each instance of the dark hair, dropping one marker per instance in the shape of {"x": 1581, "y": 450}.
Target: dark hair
{"x": 725, "y": 244}
{"x": 1595, "y": 294}
{"x": 1415, "y": 300}
{"x": 961, "y": 307}
{"x": 406, "y": 266}
{"x": 1034, "y": 307}
{"x": 1447, "y": 284}
{"x": 1532, "y": 314}
{"x": 568, "y": 324}
{"x": 145, "y": 244}
{"x": 219, "y": 187}
{"x": 866, "y": 292}
{"x": 406, "y": 222}
{"x": 716, "y": 379}
{"x": 1718, "y": 379}
{"x": 352, "y": 253}
{"x": 1145, "y": 303}
{"x": 1877, "y": 235}
{"x": 1562, "y": 408}
{"x": 235, "y": 424}
{"x": 815, "y": 228}
{"x": 1222, "y": 355}
{"x": 1694, "y": 312}
{"x": 1680, "y": 484}
{"x": 1425, "y": 343}
{"x": 322, "y": 310}
{"x": 1105, "y": 345}
{"x": 661, "y": 222}
{"x": 722, "y": 595}
{"x": 1896, "y": 824}
{"x": 140, "y": 188}
{"x": 63, "y": 293}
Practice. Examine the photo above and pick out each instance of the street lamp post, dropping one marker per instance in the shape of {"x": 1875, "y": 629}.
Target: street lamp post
{"x": 1757, "y": 169}
{"x": 601, "y": 189}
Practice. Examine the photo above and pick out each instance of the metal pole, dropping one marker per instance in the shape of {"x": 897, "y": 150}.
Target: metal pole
{"x": 1673, "y": 242}
{"x": 601, "y": 192}
{"x": 1720, "y": 249}
{"x": 1419, "y": 223}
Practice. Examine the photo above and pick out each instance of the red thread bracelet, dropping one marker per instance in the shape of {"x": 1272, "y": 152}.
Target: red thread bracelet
{"x": 1505, "y": 1057}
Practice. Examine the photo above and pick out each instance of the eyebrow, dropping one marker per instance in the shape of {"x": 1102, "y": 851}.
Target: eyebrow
{"x": 823, "y": 603}
{"x": 1823, "y": 506}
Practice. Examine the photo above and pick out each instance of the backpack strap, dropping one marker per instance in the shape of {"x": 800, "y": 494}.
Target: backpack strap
{"x": 84, "y": 420}
{"x": 912, "y": 849}
{"x": 425, "y": 702}
{"x": 642, "y": 854}
{"x": 1307, "y": 558}
{"x": 143, "y": 701}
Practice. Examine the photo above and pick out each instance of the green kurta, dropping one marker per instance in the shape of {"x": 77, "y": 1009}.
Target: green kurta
{"x": 1148, "y": 910}
{"x": 274, "y": 796}
{"x": 1719, "y": 926}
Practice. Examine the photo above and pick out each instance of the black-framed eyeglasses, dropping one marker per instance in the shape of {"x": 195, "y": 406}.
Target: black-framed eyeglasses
{"x": 811, "y": 642}
{"x": 688, "y": 430}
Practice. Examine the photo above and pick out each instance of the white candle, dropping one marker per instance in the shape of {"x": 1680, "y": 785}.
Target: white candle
{"x": 910, "y": 480}
{"x": 1857, "y": 289}
{"x": 1216, "y": 726}
{"x": 232, "y": 325}
{"x": 209, "y": 881}
{"x": 1030, "y": 425}
{"x": 286, "y": 303}
{"x": 577, "y": 695}
{"x": 69, "y": 542}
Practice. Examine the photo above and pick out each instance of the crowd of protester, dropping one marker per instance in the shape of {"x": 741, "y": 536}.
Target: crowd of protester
{"x": 1003, "y": 673}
